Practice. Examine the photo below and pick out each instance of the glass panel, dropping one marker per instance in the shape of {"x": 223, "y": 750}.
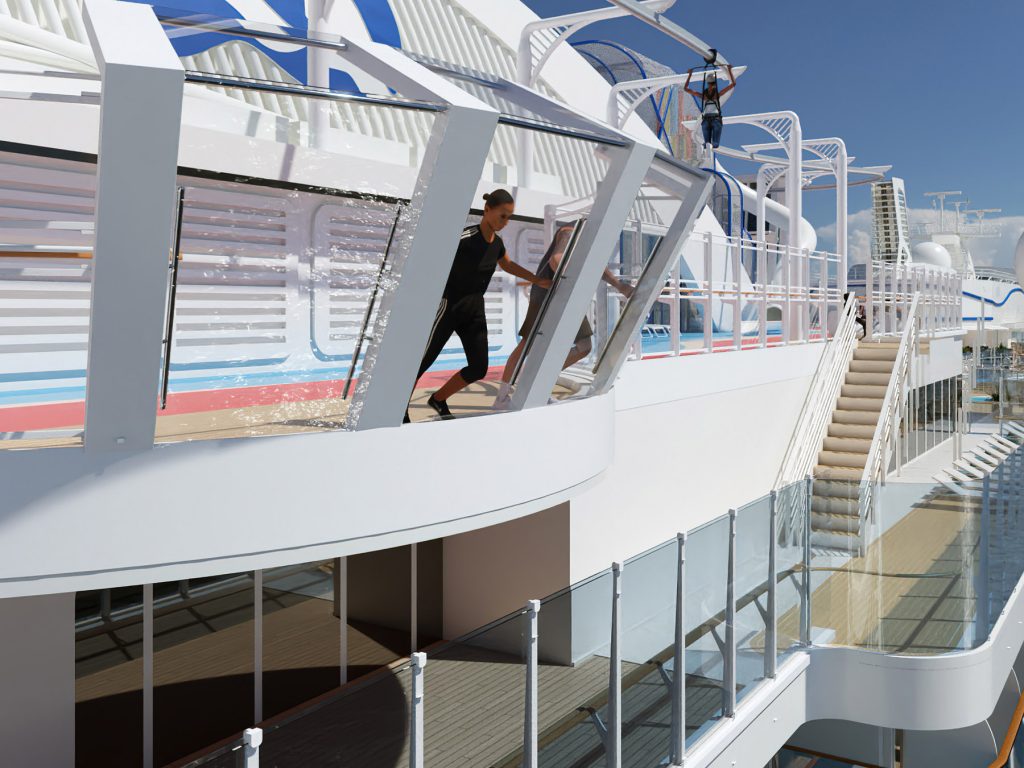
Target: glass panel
{"x": 575, "y": 634}
{"x": 203, "y": 654}
{"x": 706, "y": 578}
{"x": 302, "y": 636}
{"x": 901, "y": 580}
{"x": 365, "y": 724}
{"x": 477, "y": 685}
{"x": 46, "y": 239}
{"x": 791, "y": 505}
{"x": 279, "y": 282}
{"x": 108, "y": 676}
{"x": 751, "y": 588}
{"x": 648, "y": 649}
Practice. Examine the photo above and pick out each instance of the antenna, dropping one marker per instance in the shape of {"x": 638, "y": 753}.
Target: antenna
{"x": 942, "y": 205}
{"x": 980, "y": 214}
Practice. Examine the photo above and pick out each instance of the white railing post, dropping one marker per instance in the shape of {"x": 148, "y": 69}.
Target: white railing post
{"x": 679, "y": 658}
{"x": 613, "y": 745}
{"x": 252, "y": 738}
{"x": 147, "y": 675}
{"x": 708, "y": 295}
{"x": 787, "y": 315}
{"x": 805, "y": 598}
{"x": 530, "y": 712}
{"x": 674, "y": 319}
{"x": 771, "y": 640}
{"x": 869, "y": 301}
{"x": 419, "y": 661}
{"x": 762, "y": 273}
{"x": 737, "y": 308}
{"x": 729, "y": 662}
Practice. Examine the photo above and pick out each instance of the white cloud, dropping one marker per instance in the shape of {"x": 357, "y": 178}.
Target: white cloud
{"x": 987, "y": 252}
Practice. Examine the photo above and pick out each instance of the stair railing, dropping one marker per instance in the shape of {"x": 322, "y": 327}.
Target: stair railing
{"x": 812, "y": 425}
{"x": 884, "y": 441}
{"x": 809, "y": 434}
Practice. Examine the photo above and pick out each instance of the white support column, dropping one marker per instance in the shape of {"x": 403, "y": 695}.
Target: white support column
{"x": 414, "y": 597}
{"x": 794, "y": 202}
{"x": 140, "y": 121}
{"x": 571, "y": 298}
{"x": 147, "y": 676}
{"x": 694, "y": 192}
{"x": 341, "y": 608}
{"x": 678, "y": 744}
{"x": 419, "y": 662}
{"x": 257, "y": 665}
{"x": 530, "y": 717}
{"x": 252, "y": 738}
{"x": 445, "y": 187}
{"x": 842, "y": 214}
{"x": 318, "y": 72}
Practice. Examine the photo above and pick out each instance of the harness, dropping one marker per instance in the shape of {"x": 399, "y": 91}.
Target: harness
{"x": 709, "y": 64}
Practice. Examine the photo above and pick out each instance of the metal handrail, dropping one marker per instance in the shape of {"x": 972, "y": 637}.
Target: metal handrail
{"x": 307, "y": 91}
{"x": 816, "y": 414}
{"x": 1004, "y": 758}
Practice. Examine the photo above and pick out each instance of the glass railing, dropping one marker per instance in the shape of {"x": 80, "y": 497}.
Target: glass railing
{"x": 924, "y": 569}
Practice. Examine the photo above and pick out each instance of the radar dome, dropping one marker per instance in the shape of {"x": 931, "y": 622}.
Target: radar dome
{"x": 1019, "y": 260}
{"x": 935, "y": 255}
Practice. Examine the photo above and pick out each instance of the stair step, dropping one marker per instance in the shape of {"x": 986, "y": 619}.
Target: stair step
{"x": 860, "y": 418}
{"x": 836, "y": 540}
{"x": 824, "y": 522}
{"x": 855, "y": 431}
{"x": 876, "y": 353}
{"x": 869, "y": 378}
{"x": 871, "y": 391}
{"x": 834, "y": 459}
{"x": 837, "y": 489}
{"x": 835, "y": 505}
{"x": 825, "y": 472}
{"x": 848, "y": 444}
{"x": 871, "y": 366}
{"x": 873, "y": 404}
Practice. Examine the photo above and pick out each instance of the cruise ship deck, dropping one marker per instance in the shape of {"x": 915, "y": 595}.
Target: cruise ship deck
{"x": 740, "y": 502}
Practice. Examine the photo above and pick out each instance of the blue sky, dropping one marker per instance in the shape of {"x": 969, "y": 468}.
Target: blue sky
{"x": 931, "y": 87}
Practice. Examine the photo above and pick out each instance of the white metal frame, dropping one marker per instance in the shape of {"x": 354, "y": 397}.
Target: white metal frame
{"x": 140, "y": 123}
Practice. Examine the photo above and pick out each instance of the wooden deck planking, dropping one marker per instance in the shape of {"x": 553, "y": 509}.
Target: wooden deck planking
{"x": 285, "y": 418}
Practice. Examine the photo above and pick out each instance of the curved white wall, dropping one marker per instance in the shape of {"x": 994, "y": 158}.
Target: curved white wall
{"x": 70, "y": 520}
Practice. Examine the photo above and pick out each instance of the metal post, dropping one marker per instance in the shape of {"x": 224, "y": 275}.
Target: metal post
{"x": 708, "y": 293}
{"x": 147, "y": 676}
{"x": 172, "y": 296}
{"x": 530, "y": 711}
{"x": 737, "y": 308}
{"x": 869, "y": 301}
{"x": 981, "y": 589}
{"x": 771, "y": 631}
{"x": 674, "y": 310}
{"x": 413, "y": 597}
{"x": 341, "y": 610}
{"x": 613, "y": 747}
{"x": 252, "y": 738}
{"x": 678, "y": 746}
{"x": 787, "y": 320}
{"x": 729, "y": 662}
{"x": 805, "y": 601}
{"x": 418, "y": 661}
{"x": 257, "y": 641}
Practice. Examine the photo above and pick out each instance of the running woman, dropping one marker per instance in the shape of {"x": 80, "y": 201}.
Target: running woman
{"x": 462, "y": 304}
{"x": 582, "y": 344}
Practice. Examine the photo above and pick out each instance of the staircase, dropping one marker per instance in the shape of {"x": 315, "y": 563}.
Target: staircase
{"x": 835, "y": 503}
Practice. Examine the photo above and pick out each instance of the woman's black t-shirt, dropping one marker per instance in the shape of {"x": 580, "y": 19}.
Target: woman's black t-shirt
{"x": 474, "y": 264}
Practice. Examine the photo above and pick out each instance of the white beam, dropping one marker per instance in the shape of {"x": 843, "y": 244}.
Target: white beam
{"x": 140, "y": 121}
{"x": 692, "y": 190}
{"x": 571, "y": 298}
{"x": 427, "y": 238}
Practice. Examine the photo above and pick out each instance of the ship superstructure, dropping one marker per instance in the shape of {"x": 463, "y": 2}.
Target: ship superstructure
{"x": 751, "y": 526}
